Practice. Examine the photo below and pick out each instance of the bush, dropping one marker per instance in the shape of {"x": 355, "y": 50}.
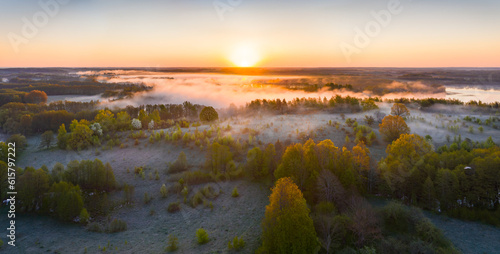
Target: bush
{"x": 235, "y": 193}
{"x": 179, "y": 165}
{"x": 163, "y": 191}
{"x": 427, "y": 232}
{"x": 117, "y": 225}
{"x": 94, "y": 227}
{"x": 396, "y": 217}
{"x": 173, "y": 207}
{"x": 197, "y": 199}
{"x": 210, "y": 192}
{"x": 173, "y": 243}
{"x": 197, "y": 177}
{"x": 202, "y": 236}
{"x": 84, "y": 216}
{"x": 147, "y": 198}
{"x": 237, "y": 244}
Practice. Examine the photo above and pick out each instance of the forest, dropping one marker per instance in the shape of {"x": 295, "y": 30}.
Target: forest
{"x": 322, "y": 193}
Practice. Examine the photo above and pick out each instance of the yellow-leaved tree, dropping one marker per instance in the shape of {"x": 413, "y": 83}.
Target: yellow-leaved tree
{"x": 287, "y": 227}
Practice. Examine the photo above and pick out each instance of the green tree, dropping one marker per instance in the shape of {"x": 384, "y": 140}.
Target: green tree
{"x": 269, "y": 160}
{"x": 19, "y": 140}
{"x": 219, "y": 158}
{"x": 47, "y": 138}
{"x": 32, "y": 185}
{"x": 402, "y": 157}
{"x": 255, "y": 162}
{"x": 287, "y": 227}
{"x": 62, "y": 137}
{"x": 208, "y": 114}
{"x": 429, "y": 194}
{"x": 447, "y": 188}
{"x": 80, "y": 136}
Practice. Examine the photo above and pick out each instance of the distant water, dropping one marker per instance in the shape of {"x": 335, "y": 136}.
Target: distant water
{"x": 468, "y": 94}
{"x": 77, "y": 98}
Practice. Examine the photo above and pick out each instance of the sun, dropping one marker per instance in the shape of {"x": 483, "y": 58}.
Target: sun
{"x": 244, "y": 56}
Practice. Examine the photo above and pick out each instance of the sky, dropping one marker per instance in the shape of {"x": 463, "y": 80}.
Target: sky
{"x": 272, "y": 33}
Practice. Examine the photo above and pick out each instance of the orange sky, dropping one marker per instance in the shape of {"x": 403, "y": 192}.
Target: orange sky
{"x": 268, "y": 34}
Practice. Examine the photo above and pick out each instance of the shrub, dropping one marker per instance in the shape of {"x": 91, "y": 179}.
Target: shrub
{"x": 235, "y": 193}
{"x": 117, "y": 225}
{"x": 202, "y": 236}
{"x": 173, "y": 243}
{"x": 128, "y": 190}
{"x": 209, "y": 191}
{"x": 197, "y": 199}
{"x": 396, "y": 217}
{"x": 197, "y": 177}
{"x": 237, "y": 244}
{"x": 179, "y": 165}
{"x": 147, "y": 198}
{"x": 163, "y": 191}
{"x": 84, "y": 216}
{"x": 173, "y": 207}
{"x": 429, "y": 233}
{"x": 94, "y": 227}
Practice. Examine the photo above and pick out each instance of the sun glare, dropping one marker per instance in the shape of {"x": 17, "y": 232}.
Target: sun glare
{"x": 245, "y": 56}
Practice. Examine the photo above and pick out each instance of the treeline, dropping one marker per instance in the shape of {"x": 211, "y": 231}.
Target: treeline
{"x": 427, "y": 102}
{"x": 316, "y": 87}
{"x": 74, "y": 193}
{"x": 335, "y": 104}
{"x": 58, "y": 87}
{"x": 38, "y": 118}
{"x": 16, "y": 89}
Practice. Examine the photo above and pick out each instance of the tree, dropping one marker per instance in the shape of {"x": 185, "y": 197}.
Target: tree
{"x": 65, "y": 200}
{"x": 429, "y": 194}
{"x": 392, "y": 127}
{"x": 208, "y": 114}
{"x": 268, "y": 159}
{"x": 361, "y": 160}
{"x": 62, "y": 137}
{"x": 365, "y": 224}
{"x": 47, "y": 138}
{"x": 330, "y": 189}
{"x": 25, "y": 123}
{"x": 399, "y": 109}
{"x": 19, "y": 140}
{"x": 402, "y": 156}
{"x": 35, "y": 97}
{"x": 255, "y": 163}
{"x": 32, "y": 186}
{"x": 287, "y": 227}
{"x": 80, "y": 136}
{"x": 447, "y": 187}
{"x": 218, "y": 158}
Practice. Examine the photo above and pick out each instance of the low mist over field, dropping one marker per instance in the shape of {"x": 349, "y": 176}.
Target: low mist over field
{"x": 221, "y": 87}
